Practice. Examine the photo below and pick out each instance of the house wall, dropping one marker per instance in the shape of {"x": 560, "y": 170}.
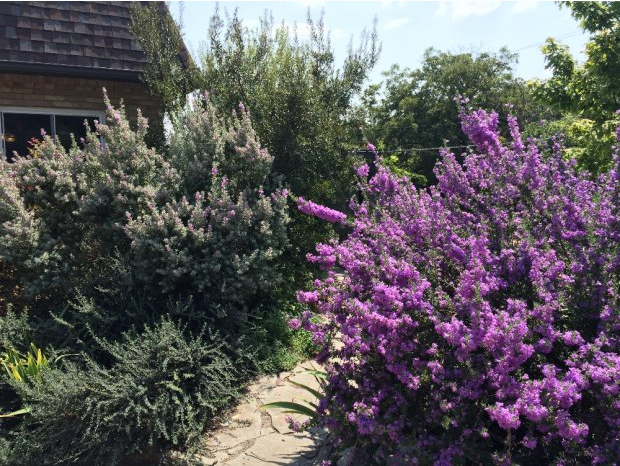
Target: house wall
{"x": 22, "y": 90}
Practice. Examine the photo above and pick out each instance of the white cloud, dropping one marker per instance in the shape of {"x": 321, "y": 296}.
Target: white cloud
{"x": 465, "y": 8}
{"x": 442, "y": 10}
{"x": 522, "y": 6}
{"x": 311, "y": 3}
{"x": 388, "y": 4}
{"x": 395, "y": 24}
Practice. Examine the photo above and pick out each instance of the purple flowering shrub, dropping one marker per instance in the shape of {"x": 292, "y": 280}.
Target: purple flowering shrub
{"x": 319, "y": 211}
{"x": 477, "y": 322}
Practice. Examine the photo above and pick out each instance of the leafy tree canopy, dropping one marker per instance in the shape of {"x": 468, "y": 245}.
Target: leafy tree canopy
{"x": 587, "y": 94}
{"x": 299, "y": 98}
{"x": 416, "y": 108}
{"x": 168, "y": 75}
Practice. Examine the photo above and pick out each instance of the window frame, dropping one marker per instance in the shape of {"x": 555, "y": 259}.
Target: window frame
{"x": 52, "y": 112}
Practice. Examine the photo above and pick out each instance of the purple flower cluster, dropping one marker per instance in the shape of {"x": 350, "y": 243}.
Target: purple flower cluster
{"x": 319, "y": 211}
{"x": 477, "y": 322}
{"x": 297, "y": 426}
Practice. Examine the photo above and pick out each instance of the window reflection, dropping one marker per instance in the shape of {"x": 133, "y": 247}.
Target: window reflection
{"x": 22, "y": 129}
{"x": 68, "y": 125}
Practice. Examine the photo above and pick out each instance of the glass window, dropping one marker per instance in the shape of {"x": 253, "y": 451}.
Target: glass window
{"x": 67, "y": 125}
{"x": 21, "y": 129}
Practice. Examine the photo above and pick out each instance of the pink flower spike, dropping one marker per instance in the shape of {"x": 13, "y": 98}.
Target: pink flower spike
{"x": 319, "y": 211}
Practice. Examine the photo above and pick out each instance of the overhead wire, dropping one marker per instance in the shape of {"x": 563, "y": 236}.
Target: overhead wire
{"x": 561, "y": 36}
{"x": 414, "y": 149}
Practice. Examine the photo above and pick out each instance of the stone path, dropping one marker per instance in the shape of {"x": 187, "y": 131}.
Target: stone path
{"x": 252, "y": 436}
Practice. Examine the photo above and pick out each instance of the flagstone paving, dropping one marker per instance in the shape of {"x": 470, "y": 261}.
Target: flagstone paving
{"x": 253, "y": 436}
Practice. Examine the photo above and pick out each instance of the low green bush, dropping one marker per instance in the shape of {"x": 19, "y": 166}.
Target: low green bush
{"x": 274, "y": 346}
{"x": 164, "y": 387}
{"x": 5, "y": 450}
{"x": 14, "y": 327}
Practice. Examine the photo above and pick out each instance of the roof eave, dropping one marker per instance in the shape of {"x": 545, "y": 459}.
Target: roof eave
{"x": 69, "y": 71}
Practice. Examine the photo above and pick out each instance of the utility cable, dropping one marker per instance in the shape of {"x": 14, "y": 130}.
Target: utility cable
{"x": 561, "y": 36}
{"x": 414, "y": 149}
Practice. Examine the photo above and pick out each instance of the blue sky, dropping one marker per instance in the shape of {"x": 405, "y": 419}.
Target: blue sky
{"x": 406, "y": 29}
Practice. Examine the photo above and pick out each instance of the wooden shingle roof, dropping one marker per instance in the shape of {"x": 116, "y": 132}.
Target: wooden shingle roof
{"x": 71, "y": 38}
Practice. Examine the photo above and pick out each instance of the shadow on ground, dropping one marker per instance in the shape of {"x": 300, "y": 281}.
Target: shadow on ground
{"x": 253, "y": 436}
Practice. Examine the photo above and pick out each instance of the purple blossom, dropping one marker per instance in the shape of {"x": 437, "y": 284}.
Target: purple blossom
{"x": 319, "y": 211}
{"x": 294, "y": 324}
{"x": 307, "y": 297}
{"x": 529, "y": 442}
{"x": 296, "y": 426}
{"x": 363, "y": 171}
{"x": 489, "y": 304}
{"x": 507, "y": 418}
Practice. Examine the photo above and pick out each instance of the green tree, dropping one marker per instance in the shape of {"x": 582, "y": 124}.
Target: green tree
{"x": 417, "y": 109}
{"x": 299, "y": 98}
{"x": 170, "y": 73}
{"x": 587, "y": 94}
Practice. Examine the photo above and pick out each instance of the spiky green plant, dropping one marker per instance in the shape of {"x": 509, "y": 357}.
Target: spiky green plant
{"x": 24, "y": 366}
{"x": 309, "y": 409}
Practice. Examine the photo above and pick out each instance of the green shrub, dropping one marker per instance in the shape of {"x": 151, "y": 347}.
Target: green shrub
{"x": 273, "y": 345}
{"x": 205, "y": 222}
{"x": 65, "y": 208}
{"x": 164, "y": 387}
{"x": 5, "y": 451}
{"x": 116, "y": 239}
{"x": 14, "y": 328}
{"x": 300, "y": 97}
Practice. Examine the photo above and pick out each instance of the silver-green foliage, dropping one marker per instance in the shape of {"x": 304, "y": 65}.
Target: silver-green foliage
{"x": 63, "y": 208}
{"x": 114, "y": 235}
{"x": 220, "y": 240}
{"x": 161, "y": 389}
{"x": 205, "y": 221}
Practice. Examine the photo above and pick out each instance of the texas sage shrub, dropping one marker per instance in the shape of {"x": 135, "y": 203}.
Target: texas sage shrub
{"x": 476, "y": 322}
{"x": 64, "y": 209}
{"x": 112, "y": 238}
{"x": 205, "y": 224}
{"x": 220, "y": 240}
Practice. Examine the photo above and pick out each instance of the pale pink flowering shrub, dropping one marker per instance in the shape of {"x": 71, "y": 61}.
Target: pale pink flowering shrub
{"x": 205, "y": 223}
{"x": 479, "y": 321}
{"x": 221, "y": 239}
{"x": 66, "y": 208}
